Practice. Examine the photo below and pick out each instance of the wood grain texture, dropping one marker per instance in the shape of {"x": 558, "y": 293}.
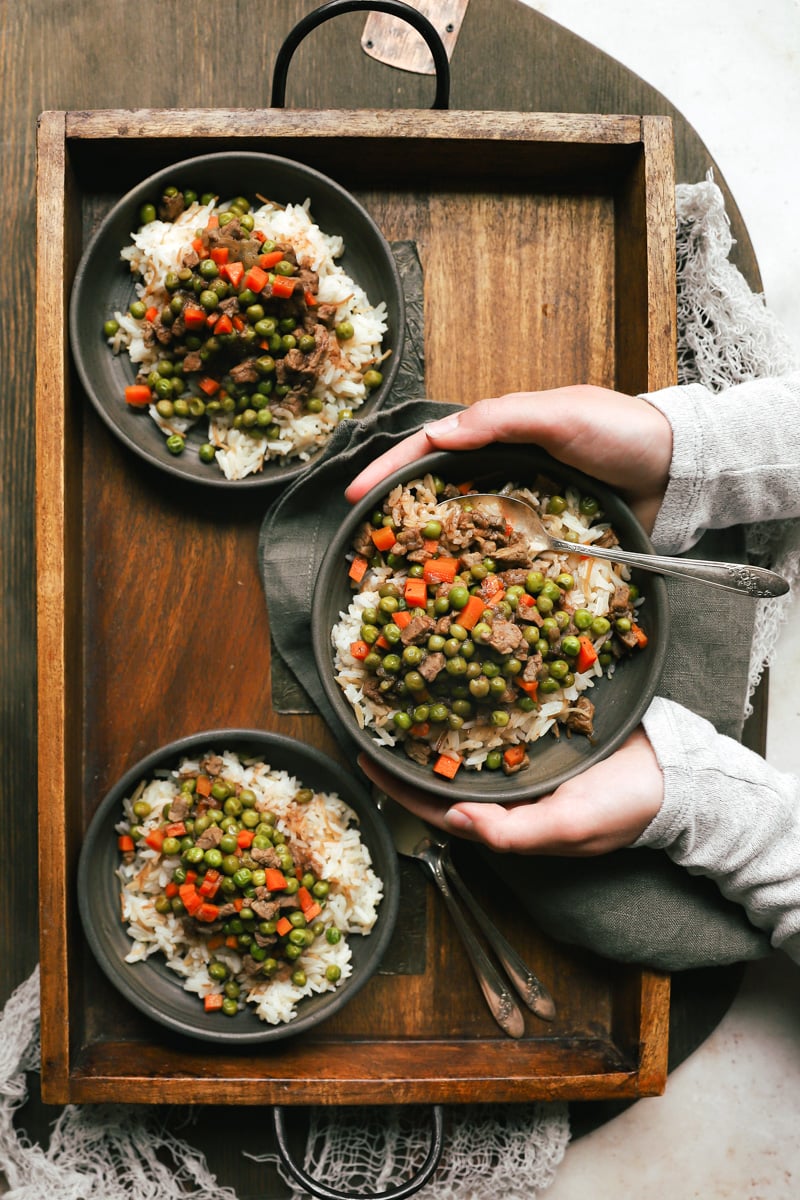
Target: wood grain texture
{"x": 161, "y": 591}
{"x": 189, "y": 67}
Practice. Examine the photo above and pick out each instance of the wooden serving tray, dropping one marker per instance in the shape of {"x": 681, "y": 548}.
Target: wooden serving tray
{"x": 547, "y": 243}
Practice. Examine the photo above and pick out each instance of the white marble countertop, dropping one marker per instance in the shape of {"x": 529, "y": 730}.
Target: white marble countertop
{"x": 727, "y": 1125}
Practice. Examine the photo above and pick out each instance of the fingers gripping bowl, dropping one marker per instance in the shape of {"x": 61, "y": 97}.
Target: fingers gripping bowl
{"x": 501, "y": 673}
{"x": 166, "y": 956}
{"x": 229, "y": 311}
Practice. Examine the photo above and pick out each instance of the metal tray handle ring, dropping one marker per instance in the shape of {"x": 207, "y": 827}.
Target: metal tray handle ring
{"x": 395, "y": 8}
{"x": 316, "y": 1187}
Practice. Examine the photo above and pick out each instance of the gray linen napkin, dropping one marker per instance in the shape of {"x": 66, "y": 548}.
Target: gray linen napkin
{"x": 630, "y": 906}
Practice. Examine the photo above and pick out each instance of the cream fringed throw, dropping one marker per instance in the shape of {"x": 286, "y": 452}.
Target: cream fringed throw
{"x": 726, "y": 336}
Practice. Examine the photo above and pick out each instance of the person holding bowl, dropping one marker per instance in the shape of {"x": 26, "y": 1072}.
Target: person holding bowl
{"x": 685, "y": 463}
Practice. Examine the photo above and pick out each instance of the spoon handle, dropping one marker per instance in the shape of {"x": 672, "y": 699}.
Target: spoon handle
{"x": 502, "y": 1004}
{"x": 734, "y": 577}
{"x": 529, "y": 986}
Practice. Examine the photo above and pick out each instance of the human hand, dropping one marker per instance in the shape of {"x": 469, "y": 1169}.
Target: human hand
{"x": 621, "y": 440}
{"x": 604, "y": 808}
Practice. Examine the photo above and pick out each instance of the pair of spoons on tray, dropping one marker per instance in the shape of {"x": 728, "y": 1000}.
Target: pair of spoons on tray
{"x": 414, "y": 839}
{"x": 752, "y": 581}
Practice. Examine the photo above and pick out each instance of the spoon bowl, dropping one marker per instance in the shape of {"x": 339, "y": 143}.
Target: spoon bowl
{"x": 751, "y": 581}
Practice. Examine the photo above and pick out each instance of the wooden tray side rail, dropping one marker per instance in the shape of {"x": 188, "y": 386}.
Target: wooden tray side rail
{"x": 585, "y": 202}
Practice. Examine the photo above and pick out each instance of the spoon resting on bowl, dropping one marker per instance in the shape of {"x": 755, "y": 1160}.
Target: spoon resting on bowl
{"x": 734, "y": 577}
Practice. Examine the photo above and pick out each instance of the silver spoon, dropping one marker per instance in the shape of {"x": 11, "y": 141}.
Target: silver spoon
{"x": 734, "y": 577}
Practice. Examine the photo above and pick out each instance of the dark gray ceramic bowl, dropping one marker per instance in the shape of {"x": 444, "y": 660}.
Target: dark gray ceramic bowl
{"x": 619, "y": 702}
{"x": 103, "y": 283}
{"x": 149, "y": 985}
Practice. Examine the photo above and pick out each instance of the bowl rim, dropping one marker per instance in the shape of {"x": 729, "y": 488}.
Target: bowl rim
{"x": 278, "y": 475}
{"x": 514, "y": 788}
{"x": 134, "y": 989}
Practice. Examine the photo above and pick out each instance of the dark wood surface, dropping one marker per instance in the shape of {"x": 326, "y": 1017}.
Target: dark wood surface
{"x": 154, "y": 55}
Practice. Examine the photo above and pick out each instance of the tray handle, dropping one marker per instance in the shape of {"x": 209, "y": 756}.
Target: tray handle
{"x": 316, "y": 1187}
{"x": 395, "y": 8}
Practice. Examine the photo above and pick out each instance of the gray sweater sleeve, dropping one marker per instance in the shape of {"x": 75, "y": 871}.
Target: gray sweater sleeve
{"x": 735, "y": 458}
{"x": 729, "y": 815}
{"x": 726, "y": 812}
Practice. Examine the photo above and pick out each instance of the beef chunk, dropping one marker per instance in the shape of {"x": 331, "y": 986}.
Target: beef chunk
{"x": 210, "y": 838}
{"x": 245, "y": 372}
{"x": 506, "y": 636}
{"x": 418, "y": 751}
{"x": 362, "y": 542}
{"x": 581, "y": 719}
{"x": 515, "y": 554}
{"x": 179, "y": 808}
{"x": 266, "y": 857}
{"x": 417, "y": 630}
{"x": 532, "y": 668}
{"x": 171, "y": 207}
{"x": 432, "y": 666}
{"x": 621, "y": 599}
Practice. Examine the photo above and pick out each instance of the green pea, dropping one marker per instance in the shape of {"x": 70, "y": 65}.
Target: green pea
{"x": 170, "y": 847}
{"x": 622, "y": 625}
{"x": 549, "y": 685}
{"x": 497, "y": 686}
{"x": 559, "y": 669}
{"x": 565, "y": 581}
{"x": 414, "y": 681}
{"x": 570, "y": 646}
{"x": 137, "y": 309}
{"x": 534, "y": 582}
{"x": 588, "y": 506}
{"x": 600, "y": 626}
{"x": 544, "y": 604}
{"x": 481, "y": 632}
{"x": 494, "y": 760}
{"x": 556, "y": 505}
{"x": 499, "y": 718}
{"x": 147, "y": 214}
{"x": 402, "y": 720}
{"x": 110, "y": 328}
{"x": 455, "y": 666}
{"x": 229, "y": 1007}
{"x": 582, "y": 618}
{"x": 551, "y": 590}
{"x": 230, "y": 864}
{"x": 333, "y": 936}
{"x": 344, "y": 331}
{"x": 438, "y": 713}
{"x": 413, "y": 655}
{"x": 458, "y": 596}
{"x": 207, "y": 453}
{"x": 432, "y": 530}
{"x": 479, "y": 687}
{"x": 217, "y": 970}
{"x": 372, "y": 379}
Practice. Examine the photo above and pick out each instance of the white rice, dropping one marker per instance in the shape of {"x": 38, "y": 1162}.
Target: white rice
{"x": 324, "y": 830}
{"x": 157, "y": 248}
{"x": 595, "y": 581}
